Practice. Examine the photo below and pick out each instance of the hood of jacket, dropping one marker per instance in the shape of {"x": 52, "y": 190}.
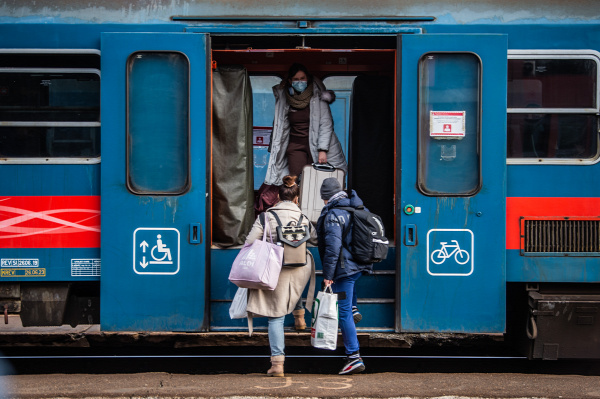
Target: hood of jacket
{"x": 352, "y": 201}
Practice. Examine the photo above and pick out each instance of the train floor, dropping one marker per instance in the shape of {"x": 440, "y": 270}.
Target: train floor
{"x": 92, "y": 338}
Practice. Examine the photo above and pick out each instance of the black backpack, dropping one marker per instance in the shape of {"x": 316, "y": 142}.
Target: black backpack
{"x": 368, "y": 244}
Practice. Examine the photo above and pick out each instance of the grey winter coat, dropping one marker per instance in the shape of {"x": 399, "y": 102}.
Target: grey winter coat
{"x": 292, "y": 280}
{"x": 321, "y": 135}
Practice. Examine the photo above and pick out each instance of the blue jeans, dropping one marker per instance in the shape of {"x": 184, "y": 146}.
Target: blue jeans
{"x": 346, "y": 284}
{"x": 276, "y": 335}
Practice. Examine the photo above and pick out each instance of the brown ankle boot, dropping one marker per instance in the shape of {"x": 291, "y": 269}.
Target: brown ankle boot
{"x": 276, "y": 369}
{"x": 299, "y": 322}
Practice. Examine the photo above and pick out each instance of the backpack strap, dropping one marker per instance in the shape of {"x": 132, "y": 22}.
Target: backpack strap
{"x": 276, "y": 218}
{"x": 310, "y": 225}
{"x": 299, "y": 223}
{"x": 345, "y": 228}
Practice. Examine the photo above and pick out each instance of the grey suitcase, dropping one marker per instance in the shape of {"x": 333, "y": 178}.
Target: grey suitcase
{"x": 310, "y": 188}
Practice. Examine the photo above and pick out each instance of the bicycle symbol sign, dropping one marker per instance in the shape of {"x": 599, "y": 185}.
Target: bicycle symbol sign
{"x": 449, "y": 252}
{"x": 439, "y": 256}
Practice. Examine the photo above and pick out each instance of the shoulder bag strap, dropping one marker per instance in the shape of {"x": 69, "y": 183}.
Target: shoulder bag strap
{"x": 261, "y": 218}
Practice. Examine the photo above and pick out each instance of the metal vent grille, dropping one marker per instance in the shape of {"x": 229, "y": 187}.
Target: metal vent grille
{"x": 560, "y": 235}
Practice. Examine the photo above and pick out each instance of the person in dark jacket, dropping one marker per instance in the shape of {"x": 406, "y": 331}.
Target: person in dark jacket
{"x": 339, "y": 269}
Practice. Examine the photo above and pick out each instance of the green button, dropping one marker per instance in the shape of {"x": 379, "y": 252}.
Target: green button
{"x": 409, "y": 209}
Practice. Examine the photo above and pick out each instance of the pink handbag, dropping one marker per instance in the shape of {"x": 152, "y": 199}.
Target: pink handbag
{"x": 258, "y": 264}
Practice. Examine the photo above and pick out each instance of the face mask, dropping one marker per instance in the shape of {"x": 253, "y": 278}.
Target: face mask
{"x": 299, "y": 85}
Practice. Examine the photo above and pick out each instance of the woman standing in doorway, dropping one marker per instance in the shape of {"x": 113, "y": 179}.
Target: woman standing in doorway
{"x": 302, "y": 127}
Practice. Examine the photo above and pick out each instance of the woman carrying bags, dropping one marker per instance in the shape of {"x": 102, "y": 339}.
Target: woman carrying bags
{"x": 278, "y": 303}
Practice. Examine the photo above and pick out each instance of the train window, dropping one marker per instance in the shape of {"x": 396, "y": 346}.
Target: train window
{"x": 49, "y": 96}
{"x": 263, "y": 100}
{"x": 49, "y": 106}
{"x": 552, "y": 83}
{"x": 158, "y": 123}
{"x": 339, "y": 82}
{"x": 552, "y": 106}
{"x": 449, "y": 124}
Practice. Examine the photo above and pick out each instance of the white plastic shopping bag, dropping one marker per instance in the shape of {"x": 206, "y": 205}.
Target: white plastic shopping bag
{"x": 237, "y": 310}
{"x": 324, "y": 326}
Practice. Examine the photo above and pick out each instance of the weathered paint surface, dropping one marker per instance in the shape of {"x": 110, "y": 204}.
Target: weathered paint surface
{"x": 142, "y": 11}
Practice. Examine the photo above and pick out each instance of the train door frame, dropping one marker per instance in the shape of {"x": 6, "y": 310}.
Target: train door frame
{"x": 222, "y": 293}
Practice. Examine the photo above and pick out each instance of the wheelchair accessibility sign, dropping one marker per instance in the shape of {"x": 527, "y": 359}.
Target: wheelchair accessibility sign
{"x": 450, "y": 252}
{"x": 156, "y": 250}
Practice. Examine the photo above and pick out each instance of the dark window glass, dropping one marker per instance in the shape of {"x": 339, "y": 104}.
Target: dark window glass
{"x": 449, "y": 83}
{"x": 158, "y": 123}
{"x": 49, "y": 104}
{"x": 53, "y": 59}
{"x": 552, "y": 83}
{"x": 49, "y": 97}
{"x": 552, "y": 136}
{"x": 48, "y": 142}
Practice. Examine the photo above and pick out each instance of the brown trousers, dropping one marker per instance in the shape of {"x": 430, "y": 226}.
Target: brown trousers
{"x": 298, "y": 154}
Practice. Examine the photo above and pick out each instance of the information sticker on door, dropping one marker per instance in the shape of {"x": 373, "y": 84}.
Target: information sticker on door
{"x": 447, "y": 124}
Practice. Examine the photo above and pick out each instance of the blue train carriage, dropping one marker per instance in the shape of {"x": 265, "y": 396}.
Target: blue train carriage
{"x": 50, "y": 189}
{"x": 491, "y": 205}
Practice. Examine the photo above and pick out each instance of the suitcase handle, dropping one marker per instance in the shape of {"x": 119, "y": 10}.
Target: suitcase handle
{"x": 324, "y": 167}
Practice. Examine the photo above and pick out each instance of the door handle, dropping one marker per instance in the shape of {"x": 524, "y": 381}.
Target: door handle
{"x": 195, "y": 233}
{"x": 410, "y": 235}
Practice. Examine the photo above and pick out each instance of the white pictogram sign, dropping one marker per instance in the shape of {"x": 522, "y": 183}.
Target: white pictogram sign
{"x": 450, "y": 252}
{"x": 156, "y": 250}
{"x": 447, "y": 124}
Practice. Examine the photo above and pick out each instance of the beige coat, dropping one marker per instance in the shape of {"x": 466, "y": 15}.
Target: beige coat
{"x": 292, "y": 280}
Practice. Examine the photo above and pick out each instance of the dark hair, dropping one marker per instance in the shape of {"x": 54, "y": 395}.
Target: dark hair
{"x": 294, "y": 69}
{"x": 289, "y": 189}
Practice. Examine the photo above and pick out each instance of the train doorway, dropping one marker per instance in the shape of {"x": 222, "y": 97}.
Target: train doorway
{"x": 363, "y": 80}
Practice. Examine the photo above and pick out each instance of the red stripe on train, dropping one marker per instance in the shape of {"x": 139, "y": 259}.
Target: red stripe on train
{"x": 50, "y": 222}
{"x": 544, "y": 207}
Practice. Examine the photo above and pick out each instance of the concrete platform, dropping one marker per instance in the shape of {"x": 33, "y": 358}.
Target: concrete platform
{"x": 384, "y": 385}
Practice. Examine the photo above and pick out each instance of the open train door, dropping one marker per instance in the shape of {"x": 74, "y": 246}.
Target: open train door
{"x": 452, "y": 183}
{"x": 154, "y": 181}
